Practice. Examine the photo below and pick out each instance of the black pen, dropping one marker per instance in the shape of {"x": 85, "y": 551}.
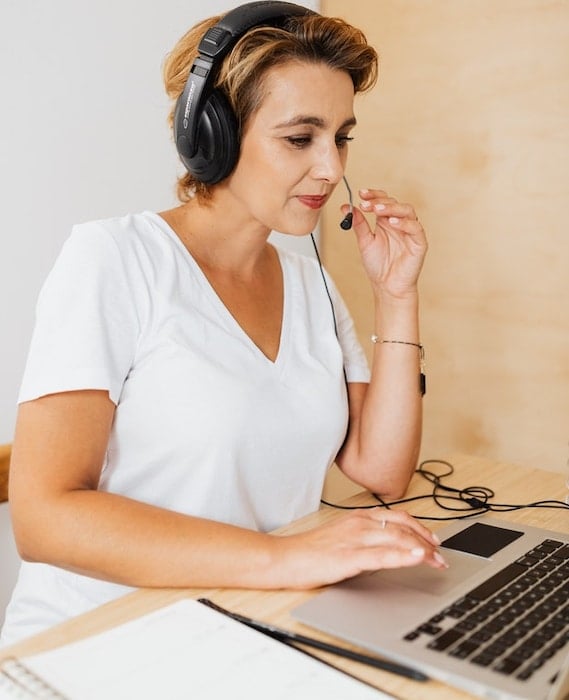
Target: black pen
{"x": 292, "y": 638}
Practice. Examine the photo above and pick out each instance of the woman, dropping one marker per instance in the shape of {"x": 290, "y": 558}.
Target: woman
{"x": 188, "y": 384}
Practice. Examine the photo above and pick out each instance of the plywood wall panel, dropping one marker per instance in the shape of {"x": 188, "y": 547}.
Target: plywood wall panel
{"x": 470, "y": 122}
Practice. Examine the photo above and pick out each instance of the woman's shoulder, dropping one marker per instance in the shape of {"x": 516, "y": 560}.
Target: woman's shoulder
{"x": 137, "y": 239}
{"x": 126, "y": 229}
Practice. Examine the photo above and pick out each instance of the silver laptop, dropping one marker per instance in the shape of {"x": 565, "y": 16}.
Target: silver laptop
{"x": 495, "y": 623}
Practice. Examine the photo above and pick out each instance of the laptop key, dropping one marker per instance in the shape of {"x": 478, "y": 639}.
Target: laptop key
{"x": 496, "y": 582}
{"x": 445, "y": 640}
{"x": 429, "y": 629}
{"x": 464, "y": 649}
{"x": 528, "y": 560}
{"x": 507, "y": 665}
{"x": 550, "y": 544}
{"x": 412, "y": 636}
{"x": 436, "y": 619}
{"x": 481, "y": 636}
{"x": 482, "y": 659}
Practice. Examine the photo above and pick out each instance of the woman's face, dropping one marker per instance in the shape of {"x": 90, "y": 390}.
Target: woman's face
{"x": 294, "y": 147}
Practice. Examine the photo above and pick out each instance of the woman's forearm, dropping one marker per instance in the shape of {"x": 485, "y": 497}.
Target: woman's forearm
{"x": 385, "y": 433}
{"x": 111, "y": 537}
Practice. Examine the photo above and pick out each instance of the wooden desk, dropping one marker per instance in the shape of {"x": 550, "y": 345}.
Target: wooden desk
{"x": 511, "y": 483}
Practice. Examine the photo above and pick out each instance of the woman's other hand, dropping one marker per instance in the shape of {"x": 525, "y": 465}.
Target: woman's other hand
{"x": 365, "y": 540}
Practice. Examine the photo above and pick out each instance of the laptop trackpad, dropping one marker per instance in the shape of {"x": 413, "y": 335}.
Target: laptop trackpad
{"x": 435, "y": 581}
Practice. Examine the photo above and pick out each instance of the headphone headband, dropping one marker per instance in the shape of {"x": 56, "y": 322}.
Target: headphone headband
{"x": 206, "y": 132}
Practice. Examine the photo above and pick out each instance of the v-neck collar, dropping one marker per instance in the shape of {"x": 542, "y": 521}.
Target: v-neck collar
{"x": 218, "y": 304}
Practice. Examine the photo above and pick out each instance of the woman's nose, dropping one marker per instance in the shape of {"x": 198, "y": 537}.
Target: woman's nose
{"x": 329, "y": 166}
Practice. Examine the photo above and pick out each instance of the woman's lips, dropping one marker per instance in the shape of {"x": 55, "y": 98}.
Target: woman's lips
{"x": 313, "y": 201}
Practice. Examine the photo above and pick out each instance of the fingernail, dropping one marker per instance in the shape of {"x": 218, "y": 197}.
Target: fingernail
{"x": 418, "y": 552}
{"x": 393, "y": 219}
{"x": 364, "y": 191}
{"x": 435, "y": 539}
{"x": 365, "y": 205}
{"x": 438, "y": 557}
{"x": 380, "y": 207}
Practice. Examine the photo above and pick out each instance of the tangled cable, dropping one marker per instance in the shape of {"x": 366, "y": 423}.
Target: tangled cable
{"x": 473, "y": 500}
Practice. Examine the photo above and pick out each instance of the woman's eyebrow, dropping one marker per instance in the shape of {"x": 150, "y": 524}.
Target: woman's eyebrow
{"x": 304, "y": 119}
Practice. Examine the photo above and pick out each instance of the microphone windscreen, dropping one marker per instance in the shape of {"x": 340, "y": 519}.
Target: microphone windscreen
{"x": 346, "y": 222}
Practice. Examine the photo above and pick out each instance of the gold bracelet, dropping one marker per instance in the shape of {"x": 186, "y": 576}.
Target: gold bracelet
{"x": 422, "y": 376}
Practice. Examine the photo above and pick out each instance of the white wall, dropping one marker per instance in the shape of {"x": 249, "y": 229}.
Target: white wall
{"x": 83, "y": 135}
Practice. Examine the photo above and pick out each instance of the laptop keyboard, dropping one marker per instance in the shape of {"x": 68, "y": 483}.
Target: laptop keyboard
{"x": 513, "y": 622}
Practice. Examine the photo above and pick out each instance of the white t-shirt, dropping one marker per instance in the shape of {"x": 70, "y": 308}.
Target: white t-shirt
{"x": 205, "y": 423}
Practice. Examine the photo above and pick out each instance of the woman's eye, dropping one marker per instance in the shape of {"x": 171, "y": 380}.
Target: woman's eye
{"x": 342, "y": 141}
{"x": 299, "y": 141}
{"x": 304, "y": 141}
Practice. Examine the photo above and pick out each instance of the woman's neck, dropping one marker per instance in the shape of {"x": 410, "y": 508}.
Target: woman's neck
{"x": 219, "y": 238}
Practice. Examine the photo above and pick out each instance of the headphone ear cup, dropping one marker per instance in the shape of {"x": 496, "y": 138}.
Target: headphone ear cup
{"x": 217, "y": 147}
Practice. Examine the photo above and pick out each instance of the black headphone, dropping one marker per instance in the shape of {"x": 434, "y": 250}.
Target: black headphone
{"x": 206, "y": 131}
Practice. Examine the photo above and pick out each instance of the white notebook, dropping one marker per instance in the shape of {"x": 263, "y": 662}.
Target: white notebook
{"x": 183, "y": 650}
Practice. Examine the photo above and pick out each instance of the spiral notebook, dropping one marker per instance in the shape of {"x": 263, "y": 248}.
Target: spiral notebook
{"x": 183, "y": 650}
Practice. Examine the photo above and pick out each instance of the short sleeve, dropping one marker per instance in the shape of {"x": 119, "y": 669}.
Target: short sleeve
{"x": 86, "y": 326}
{"x": 355, "y": 362}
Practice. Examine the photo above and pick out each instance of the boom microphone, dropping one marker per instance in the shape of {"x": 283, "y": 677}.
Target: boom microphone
{"x": 346, "y": 222}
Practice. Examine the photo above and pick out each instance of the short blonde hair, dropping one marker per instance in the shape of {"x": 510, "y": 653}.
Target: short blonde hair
{"x": 309, "y": 38}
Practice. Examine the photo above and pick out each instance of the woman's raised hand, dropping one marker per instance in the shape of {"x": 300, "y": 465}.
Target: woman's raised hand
{"x": 393, "y": 247}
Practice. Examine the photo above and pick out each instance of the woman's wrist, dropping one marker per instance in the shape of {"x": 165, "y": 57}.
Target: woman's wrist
{"x": 399, "y": 320}
{"x": 389, "y": 293}
{"x": 384, "y": 298}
